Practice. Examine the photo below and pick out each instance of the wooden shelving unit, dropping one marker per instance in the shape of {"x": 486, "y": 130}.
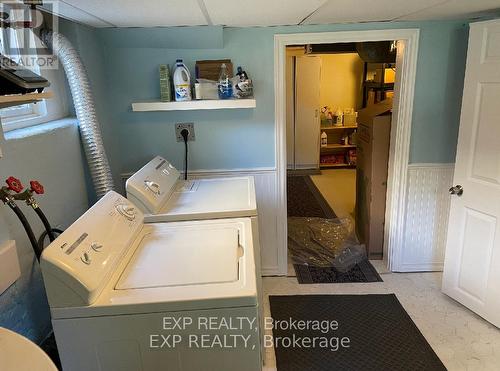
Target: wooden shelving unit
{"x": 330, "y": 147}
{"x": 338, "y": 127}
{"x": 146, "y": 106}
{"x": 379, "y": 87}
{"x": 338, "y": 152}
{"x": 18, "y": 99}
{"x": 337, "y": 166}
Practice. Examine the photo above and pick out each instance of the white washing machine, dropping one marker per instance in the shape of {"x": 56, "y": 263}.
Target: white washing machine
{"x": 125, "y": 295}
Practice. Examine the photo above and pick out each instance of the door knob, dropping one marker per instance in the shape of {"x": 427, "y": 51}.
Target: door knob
{"x": 456, "y": 190}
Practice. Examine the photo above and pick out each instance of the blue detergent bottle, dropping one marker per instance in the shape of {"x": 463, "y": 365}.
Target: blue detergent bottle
{"x": 225, "y": 83}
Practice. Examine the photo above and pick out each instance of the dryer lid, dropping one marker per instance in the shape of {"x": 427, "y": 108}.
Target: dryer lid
{"x": 184, "y": 256}
{"x": 152, "y": 185}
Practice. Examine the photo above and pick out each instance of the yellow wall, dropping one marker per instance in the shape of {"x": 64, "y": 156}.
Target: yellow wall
{"x": 341, "y": 80}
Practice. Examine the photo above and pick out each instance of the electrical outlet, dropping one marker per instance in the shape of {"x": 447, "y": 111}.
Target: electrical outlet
{"x": 184, "y": 125}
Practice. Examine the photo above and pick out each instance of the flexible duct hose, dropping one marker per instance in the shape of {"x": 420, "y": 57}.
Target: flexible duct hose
{"x": 85, "y": 110}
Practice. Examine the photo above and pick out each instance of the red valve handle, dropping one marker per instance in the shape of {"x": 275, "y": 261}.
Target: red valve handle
{"x": 37, "y": 187}
{"x": 14, "y": 184}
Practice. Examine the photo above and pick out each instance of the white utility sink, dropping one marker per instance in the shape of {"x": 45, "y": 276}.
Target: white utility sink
{"x": 20, "y": 354}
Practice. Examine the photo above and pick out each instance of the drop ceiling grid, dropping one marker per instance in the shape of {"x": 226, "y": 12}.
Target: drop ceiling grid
{"x": 349, "y": 11}
{"x": 75, "y": 14}
{"x": 260, "y": 12}
{"x": 456, "y": 9}
{"x": 245, "y": 13}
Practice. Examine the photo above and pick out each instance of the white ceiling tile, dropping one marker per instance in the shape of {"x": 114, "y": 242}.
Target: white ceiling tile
{"x": 151, "y": 13}
{"x": 68, "y": 11}
{"x": 148, "y": 13}
{"x": 260, "y": 12}
{"x": 348, "y": 11}
{"x": 455, "y": 9}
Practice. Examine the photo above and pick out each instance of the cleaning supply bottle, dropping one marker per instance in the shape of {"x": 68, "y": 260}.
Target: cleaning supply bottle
{"x": 338, "y": 118}
{"x": 324, "y": 139}
{"x": 241, "y": 74}
{"x": 182, "y": 82}
{"x": 225, "y": 83}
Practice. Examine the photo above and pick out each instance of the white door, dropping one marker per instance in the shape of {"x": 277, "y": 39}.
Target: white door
{"x": 307, "y": 106}
{"x": 472, "y": 262}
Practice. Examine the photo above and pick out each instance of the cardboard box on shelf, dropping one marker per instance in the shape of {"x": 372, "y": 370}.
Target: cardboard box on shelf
{"x": 210, "y": 69}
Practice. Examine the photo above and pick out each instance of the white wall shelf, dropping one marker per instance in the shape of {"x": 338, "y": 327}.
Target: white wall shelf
{"x": 193, "y": 105}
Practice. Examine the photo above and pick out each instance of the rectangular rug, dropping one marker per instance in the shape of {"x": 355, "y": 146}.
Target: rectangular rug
{"x": 364, "y": 271}
{"x": 366, "y": 332}
{"x": 305, "y": 200}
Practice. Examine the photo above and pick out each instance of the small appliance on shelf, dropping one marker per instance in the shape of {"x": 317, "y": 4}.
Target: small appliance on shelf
{"x": 16, "y": 79}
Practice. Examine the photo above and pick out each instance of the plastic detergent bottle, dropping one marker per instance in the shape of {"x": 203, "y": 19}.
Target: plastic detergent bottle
{"x": 182, "y": 82}
{"x": 337, "y": 120}
{"x": 324, "y": 139}
{"x": 225, "y": 83}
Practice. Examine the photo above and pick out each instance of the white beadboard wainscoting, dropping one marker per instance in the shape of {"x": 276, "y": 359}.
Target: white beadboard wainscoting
{"x": 426, "y": 219}
{"x": 267, "y": 205}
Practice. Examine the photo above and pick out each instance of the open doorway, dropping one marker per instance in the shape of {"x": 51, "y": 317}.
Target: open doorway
{"x": 339, "y": 103}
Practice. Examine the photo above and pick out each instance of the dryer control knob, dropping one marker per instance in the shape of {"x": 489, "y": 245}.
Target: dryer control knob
{"x": 153, "y": 187}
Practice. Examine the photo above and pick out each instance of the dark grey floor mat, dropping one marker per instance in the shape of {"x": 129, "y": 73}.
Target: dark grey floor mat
{"x": 364, "y": 271}
{"x": 305, "y": 200}
{"x": 382, "y": 335}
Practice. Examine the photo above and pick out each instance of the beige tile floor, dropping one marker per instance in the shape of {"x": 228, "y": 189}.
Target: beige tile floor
{"x": 463, "y": 341}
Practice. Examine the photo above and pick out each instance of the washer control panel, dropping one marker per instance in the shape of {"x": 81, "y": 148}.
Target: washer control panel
{"x": 151, "y": 186}
{"x": 85, "y": 255}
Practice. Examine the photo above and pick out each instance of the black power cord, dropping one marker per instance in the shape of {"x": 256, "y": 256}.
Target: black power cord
{"x": 185, "y": 133}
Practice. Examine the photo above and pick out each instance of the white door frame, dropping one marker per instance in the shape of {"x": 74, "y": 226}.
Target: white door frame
{"x": 400, "y": 133}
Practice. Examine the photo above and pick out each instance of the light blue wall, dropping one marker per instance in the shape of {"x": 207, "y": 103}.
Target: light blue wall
{"x": 245, "y": 138}
{"x": 225, "y": 139}
{"x": 53, "y": 156}
{"x": 438, "y": 92}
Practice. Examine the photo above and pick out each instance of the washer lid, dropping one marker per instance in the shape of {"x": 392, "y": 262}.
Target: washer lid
{"x": 183, "y": 256}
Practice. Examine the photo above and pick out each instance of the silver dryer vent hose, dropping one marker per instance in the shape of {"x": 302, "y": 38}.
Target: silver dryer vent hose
{"x": 83, "y": 101}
